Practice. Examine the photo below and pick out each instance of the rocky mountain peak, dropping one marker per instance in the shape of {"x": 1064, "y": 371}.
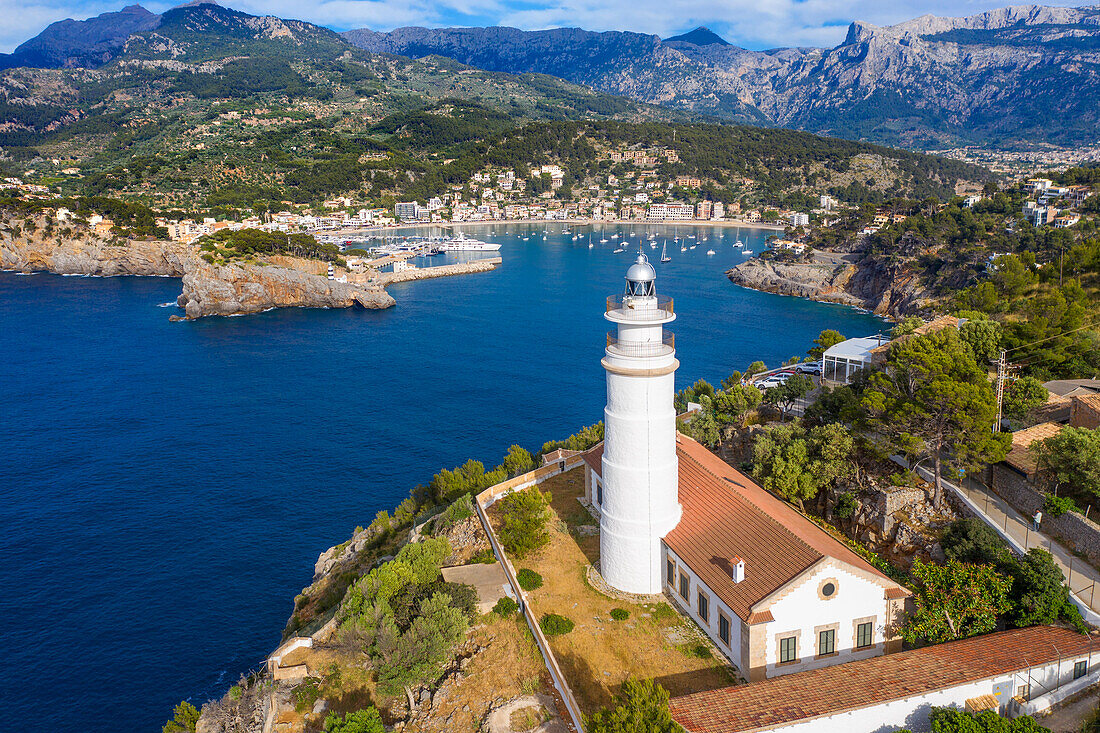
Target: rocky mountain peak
{"x": 701, "y": 36}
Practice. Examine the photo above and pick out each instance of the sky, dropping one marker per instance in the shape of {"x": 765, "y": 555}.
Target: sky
{"x": 755, "y": 24}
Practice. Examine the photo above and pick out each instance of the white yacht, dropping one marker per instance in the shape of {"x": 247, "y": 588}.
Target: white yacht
{"x": 710, "y": 251}
{"x": 462, "y": 243}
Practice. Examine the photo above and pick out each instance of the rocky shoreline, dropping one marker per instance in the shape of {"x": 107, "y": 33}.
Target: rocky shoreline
{"x": 234, "y": 288}
{"x": 886, "y": 289}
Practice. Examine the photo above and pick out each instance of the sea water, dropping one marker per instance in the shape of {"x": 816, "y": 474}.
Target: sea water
{"x": 166, "y": 487}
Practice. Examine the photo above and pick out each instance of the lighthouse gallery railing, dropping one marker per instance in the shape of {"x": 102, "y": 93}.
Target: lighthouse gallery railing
{"x": 642, "y": 348}
{"x": 629, "y": 306}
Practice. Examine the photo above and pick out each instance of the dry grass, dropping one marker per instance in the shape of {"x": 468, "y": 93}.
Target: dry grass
{"x": 509, "y": 666}
{"x": 527, "y": 718}
{"x": 600, "y": 653}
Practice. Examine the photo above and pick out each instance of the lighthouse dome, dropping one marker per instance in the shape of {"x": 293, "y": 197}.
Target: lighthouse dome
{"x": 641, "y": 271}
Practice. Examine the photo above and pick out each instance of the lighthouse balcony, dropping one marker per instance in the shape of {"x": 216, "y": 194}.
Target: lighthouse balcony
{"x": 618, "y": 347}
{"x": 640, "y": 308}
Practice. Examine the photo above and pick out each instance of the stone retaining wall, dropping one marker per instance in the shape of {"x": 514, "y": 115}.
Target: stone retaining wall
{"x": 1073, "y": 530}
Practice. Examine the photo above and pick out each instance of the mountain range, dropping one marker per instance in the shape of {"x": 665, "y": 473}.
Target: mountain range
{"x": 1012, "y": 76}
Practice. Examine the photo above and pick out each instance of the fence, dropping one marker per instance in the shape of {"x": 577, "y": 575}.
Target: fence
{"x": 1082, "y": 585}
{"x": 486, "y": 499}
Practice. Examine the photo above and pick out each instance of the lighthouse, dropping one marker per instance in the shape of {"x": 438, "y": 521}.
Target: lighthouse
{"x": 640, "y": 473}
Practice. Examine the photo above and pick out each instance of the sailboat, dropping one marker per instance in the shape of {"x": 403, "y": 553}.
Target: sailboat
{"x": 590, "y": 245}
{"x": 664, "y": 253}
{"x": 683, "y": 248}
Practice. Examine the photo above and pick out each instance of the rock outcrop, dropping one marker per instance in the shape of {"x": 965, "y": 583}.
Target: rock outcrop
{"x": 885, "y": 288}
{"x": 208, "y": 289}
{"x": 232, "y": 289}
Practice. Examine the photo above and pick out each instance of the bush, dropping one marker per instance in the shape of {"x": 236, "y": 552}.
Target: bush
{"x": 620, "y": 614}
{"x": 971, "y": 540}
{"x": 845, "y": 505}
{"x": 186, "y": 717}
{"x": 306, "y": 694}
{"x": 639, "y": 706}
{"x": 235, "y": 692}
{"x": 483, "y": 557}
{"x": 554, "y": 625}
{"x": 529, "y": 579}
{"x": 1056, "y": 506}
{"x": 505, "y": 607}
{"x": 361, "y": 721}
{"x": 525, "y": 516}
{"x": 461, "y": 509}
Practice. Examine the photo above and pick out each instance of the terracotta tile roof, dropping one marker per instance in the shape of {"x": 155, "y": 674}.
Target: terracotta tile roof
{"x": 1086, "y": 411}
{"x": 1020, "y": 457}
{"x": 594, "y": 458}
{"x": 781, "y": 701}
{"x": 727, "y": 515}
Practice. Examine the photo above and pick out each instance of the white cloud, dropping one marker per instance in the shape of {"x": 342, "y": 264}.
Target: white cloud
{"x": 751, "y": 23}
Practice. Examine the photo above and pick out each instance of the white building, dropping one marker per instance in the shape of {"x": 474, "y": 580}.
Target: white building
{"x": 406, "y": 210}
{"x": 798, "y": 219}
{"x": 841, "y": 362}
{"x": 775, "y": 592}
{"x": 663, "y": 212}
{"x": 1015, "y": 672}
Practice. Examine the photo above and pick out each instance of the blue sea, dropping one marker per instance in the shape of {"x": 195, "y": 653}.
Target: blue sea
{"x": 166, "y": 487}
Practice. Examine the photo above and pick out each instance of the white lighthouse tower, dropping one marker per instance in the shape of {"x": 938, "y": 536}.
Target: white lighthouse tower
{"x": 640, "y": 474}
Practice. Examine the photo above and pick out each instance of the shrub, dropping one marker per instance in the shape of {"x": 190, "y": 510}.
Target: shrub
{"x": 620, "y": 614}
{"x": 639, "y": 706}
{"x": 505, "y": 607}
{"x": 971, "y": 540}
{"x": 461, "y": 509}
{"x": 306, "y": 694}
{"x": 184, "y": 720}
{"x": 554, "y": 625}
{"x": 1056, "y": 506}
{"x": 529, "y": 579}
{"x": 483, "y": 557}
{"x": 525, "y": 516}
{"x": 361, "y": 721}
{"x": 845, "y": 505}
{"x": 235, "y": 692}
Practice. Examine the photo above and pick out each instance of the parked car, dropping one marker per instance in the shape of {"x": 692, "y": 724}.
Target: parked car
{"x": 772, "y": 381}
{"x": 809, "y": 367}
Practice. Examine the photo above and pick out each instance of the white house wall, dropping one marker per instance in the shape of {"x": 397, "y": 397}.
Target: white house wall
{"x": 913, "y": 712}
{"x": 802, "y": 612}
{"x": 732, "y": 651}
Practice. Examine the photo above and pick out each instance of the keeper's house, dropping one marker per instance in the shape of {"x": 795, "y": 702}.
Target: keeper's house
{"x": 775, "y": 592}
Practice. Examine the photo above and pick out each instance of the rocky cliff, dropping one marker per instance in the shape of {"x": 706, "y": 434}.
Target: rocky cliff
{"x": 885, "y": 288}
{"x": 232, "y": 289}
{"x": 223, "y": 290}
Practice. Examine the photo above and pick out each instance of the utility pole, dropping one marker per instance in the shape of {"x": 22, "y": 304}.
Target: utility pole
{"x": 1001, "y": 370}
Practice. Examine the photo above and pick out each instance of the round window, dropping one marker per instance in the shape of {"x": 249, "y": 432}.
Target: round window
{"x": 828, "y": 589}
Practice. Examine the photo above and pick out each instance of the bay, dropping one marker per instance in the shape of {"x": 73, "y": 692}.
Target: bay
{"x": 167, "y": 487}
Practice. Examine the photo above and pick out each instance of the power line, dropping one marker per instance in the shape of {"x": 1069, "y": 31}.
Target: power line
{"x": 1057, "y": 335}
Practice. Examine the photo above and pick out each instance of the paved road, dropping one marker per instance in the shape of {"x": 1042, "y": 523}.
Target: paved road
{"x": 1081, "y": 576}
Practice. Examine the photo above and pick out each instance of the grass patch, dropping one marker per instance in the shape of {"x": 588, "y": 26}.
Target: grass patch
{"x": 620, "y": 614}
{"x": 483, "y": 557}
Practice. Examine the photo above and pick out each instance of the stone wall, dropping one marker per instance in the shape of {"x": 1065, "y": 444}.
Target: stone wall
{"x": 1071, "y": 529}
{"x": 423, "y": 273}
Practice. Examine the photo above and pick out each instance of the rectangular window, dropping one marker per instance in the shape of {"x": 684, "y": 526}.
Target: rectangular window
{"x": 723, "y": 628}
{"x": 788, "y": 649}
{"x": 685, "y": 585}
{"x": 599, "y": 494}
{"x": 826, "y": 642}
{"x": 865, "y": 635}
{"x": 671, "y": 570}
{"x": 1080, "y": 669}
{"x": 702, "y": 603}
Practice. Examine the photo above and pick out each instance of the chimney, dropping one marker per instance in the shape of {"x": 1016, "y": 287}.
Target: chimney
{"x": 738, "y": 571}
